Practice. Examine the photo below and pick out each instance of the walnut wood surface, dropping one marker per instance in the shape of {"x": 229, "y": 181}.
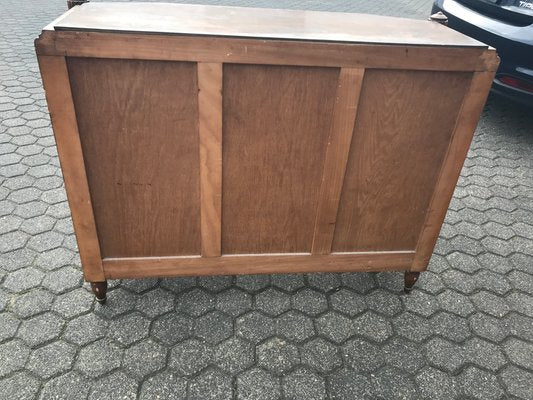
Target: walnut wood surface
{"x": 340, "y": 138}
{"x": 274, "y": 52}
{"x": 276, "y": 126}
{"x": 59, "y": 97}
{"x": 256, "y": 264}
{"x": 138, "y": 123}
{"x": 210, "y": 131}
{"x": 195, "y": 155}
{"x": 403, "y": 127}
{"x": 189, "y": 19}
{"x": 465, "y": 126}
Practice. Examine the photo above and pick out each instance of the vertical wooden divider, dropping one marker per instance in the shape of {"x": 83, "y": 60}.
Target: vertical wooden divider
{"x": 463, "y": 133}
{"x": 340, "y": 139}
{"x": 210, "y": 131}
{"x": 56, "y": 82}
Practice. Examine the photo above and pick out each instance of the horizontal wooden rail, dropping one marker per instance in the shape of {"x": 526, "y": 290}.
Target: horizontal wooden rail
{"x": 117, "y": 268}
{"x": 274, "y": 52}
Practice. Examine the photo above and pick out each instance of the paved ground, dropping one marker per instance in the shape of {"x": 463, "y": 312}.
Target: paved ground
{"x": 466, "y": 331}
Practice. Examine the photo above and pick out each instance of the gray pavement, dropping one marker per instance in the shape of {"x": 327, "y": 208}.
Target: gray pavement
{"x": 466, "y": 331}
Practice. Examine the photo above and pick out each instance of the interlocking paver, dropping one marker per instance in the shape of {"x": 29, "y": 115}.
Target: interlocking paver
{"x": 465, "y": 331}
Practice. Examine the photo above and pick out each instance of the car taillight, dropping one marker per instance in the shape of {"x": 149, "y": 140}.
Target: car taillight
{"x": 516, "y": 82}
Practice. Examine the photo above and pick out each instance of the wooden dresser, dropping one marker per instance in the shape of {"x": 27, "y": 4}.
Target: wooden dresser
{"x": 199, "y": 140}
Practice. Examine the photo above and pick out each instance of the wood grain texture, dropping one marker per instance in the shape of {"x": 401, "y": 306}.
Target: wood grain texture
{"x": 403, "y": 127}
{"x": 273, "y": 52}
{"x": 254, "y": 264}
{"x": 340, "y": 138}
{"x": 465, "y": 126}
{"x": 59, "y": 97}
{"x": 210, "y": 130}
{"x": 138, "y": 123}
{"x": 276, "y": 125}
{"x": 261, "y": 23}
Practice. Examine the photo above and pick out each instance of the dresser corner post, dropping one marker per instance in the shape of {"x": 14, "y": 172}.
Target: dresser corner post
{"x": 100, "y": 291}
{"x": 410, "y": 278}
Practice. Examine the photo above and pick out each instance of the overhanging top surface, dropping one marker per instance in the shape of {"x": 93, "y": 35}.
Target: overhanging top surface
{"x": 188, "y": 19}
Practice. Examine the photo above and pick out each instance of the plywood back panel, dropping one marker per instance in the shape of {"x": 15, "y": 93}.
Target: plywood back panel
{"x": 276, "y": 122}
{"x": 402, "y": 131}
{"x": 138, "y": 128}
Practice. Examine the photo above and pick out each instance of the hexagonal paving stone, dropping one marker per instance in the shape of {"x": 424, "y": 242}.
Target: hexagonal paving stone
{"x": 234, "y": 302}
{"x": 456, "y": 303}
{"x": 277, "y": 355}
{"x": 119, "y": 301}
{"x": 451, "y": 326}
{"x": 46, "y": 241}
{"x": 155, "y": 302}
{"x": 294, "y": 326}
{"x": 518, "y": 382}
{"x": 211, "y": 384}
{"x": 288, "y": 282}
{"x": 479, "y": 384}
{"x": 384, "y": 302}
{"x": 52, "y": 359}
{"x": 85, "y": 329}
{"x": 144, "y": 358}
{"x": 62, "y": 280}
{"x": 310, "y": 301}
{"x": 40, "y": 329}
{"x": 54, "y": 259}
{"x": 252, "y": 282}
{"x": 32, "y": 303}
{"x": 348, "y": 302}
{"x": 304, "y": 384}
{"x": 129, "y": 328}
{"x": 321, "y": 355}
{"x": 484, "y": 354}
{"x": 172, "y": 328}
{"x": 115, "y": 386}
{"x": 8, "y": 326}
{"x": 213, "y": 327}
{"x": 390, "y": 383}
{"x": 255, "y": 326}
{"x": 99, "y": 358}
{"x": 164, "y": 386}
{"x": 445, "y": 355}
{"x": 215, "y": 283}
{"x": 490, "y": 303}
{"x": 420, "y": 303}
{"x": 257, "y": 384}
{"x": 521, "y": 302}
{"x": 435, "y": 384}
{"x": 71, "y": 385}
{"x": 347, "y": 385}
{"x": 73, "y": 303}
{"x": 404, "y": 355}
{"x": 234, "y": 355}
{"x": 20, "y": 386}
{"x": 464, "y": 262}
{"x": 23, "y": 279}
{"x": 13, "y": 355}
{"x": 519, "y": 352}
{"x": 373, "y": 327}
{"x": 335, "y": 327}
{"x": 190, "y": 357}
{"x": 360, "y": 282}
{"x": 196, "y": 302}
{"x": 273, "y": 301}
{"x": 325, "y": 282}
{"x": 362, "y": 356}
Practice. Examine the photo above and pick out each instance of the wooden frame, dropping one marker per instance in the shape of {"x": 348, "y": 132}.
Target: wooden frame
{"x": 475, "y": 64}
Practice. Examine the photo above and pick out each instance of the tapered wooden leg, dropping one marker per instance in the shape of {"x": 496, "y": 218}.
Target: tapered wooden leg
{"x": 410, "y": 279}
{"x": 100, "y": 291}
